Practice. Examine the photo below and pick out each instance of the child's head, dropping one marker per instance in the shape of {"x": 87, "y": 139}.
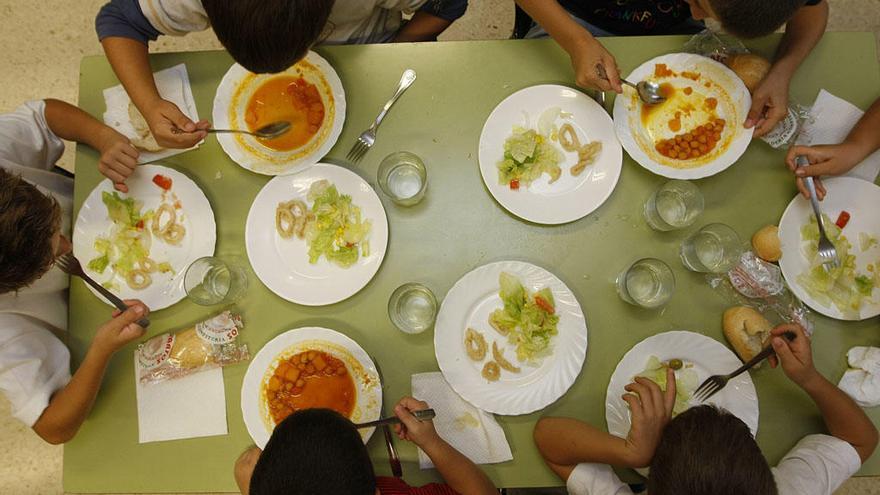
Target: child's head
{"x": 746, "y": 18}
{"x": 30, "y": 224}
{"x": 708, "y": 450}
{"x": 268, "y": 35}
{"x": 314, "y": 451}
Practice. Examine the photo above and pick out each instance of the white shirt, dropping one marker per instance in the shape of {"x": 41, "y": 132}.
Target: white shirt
{"x": 817, "y": 465}
{"x": 353, "y": 21}
{"x": 34, "y": 364}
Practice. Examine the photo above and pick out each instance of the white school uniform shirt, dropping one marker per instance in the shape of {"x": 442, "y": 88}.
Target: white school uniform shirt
{"x": 34, "y": 363}
{"x": 352, "y": 21}
{"x": 817, "y": 465}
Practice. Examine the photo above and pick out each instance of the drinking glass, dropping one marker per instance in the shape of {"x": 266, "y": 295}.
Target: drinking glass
{"x": 648, "y": 283}
{"x": 714, "y": 248}
{"x": 412, "y": 308}
{"x": 674, "y": 205}
{"x": 403, "y": 178}
{"x": 209, "y": 281}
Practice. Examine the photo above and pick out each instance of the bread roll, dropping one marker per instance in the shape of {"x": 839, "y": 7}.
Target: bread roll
{"x": 746, "y": 330}
{"x": 750, "y": 68}
{"x": 145, "y": 139}
{"x": 766, "y": 243}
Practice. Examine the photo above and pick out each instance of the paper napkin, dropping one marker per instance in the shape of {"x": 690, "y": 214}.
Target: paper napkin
{"x": 473, "y": 432}
{"x": 173, "y": 85}
{"x": 188, "y": 407}
{"x": 862, "y": 380}
{"x": 831, "y": 120}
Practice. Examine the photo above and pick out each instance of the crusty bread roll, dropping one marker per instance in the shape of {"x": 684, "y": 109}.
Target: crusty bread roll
{"x": 145, "y": 139}
{"x": 749, "y": 67}
{"x": 766, "y": 243}
{"x": 746, "y": 330}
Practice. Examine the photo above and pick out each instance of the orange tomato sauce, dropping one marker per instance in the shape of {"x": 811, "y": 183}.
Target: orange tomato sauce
{"x": 291, "y": 99}
{"x": 310, "y": 379}
{"x": 667, "y": 91}
{"x": 693, "y": 144}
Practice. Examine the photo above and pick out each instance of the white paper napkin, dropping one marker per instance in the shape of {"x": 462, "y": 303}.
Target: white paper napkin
{"x": 473, "y": 432}
{"x": 188, "y": 407}
{"x": 831, "y": 120}
{"x": 862, "y": 380}
{"x": 173, "y": 85}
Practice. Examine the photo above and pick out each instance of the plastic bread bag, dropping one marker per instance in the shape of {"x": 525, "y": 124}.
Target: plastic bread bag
{"x": 757, "y": 283}
{"x": 207, "y": 344}
{"x": 715, "y": 45}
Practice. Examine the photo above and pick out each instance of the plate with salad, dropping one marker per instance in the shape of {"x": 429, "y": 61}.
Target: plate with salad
{"x": 549, "y": 154}
{"x": 694, "y": 357}
{"x": 138, "y": 244}
{"x": 510, "y": 337}
{"x": 316, "y": 237}
{"x": 851, "y": 291}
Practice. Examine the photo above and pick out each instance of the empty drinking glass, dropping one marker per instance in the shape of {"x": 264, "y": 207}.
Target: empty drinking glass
{"x": 648, "y": 283}
{"x": 675, "y": 205}
{"x": 714, "y": 248}
{"x": 403, "y": 177}
{"x": 210, "y": 281}
{"x": 412, "y": 308}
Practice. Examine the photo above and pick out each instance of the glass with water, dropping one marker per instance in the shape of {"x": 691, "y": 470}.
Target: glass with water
{"x": 713, "y": 249}
{"x": 403, "y": 178}
{"x": 648, "y": 283}
{"x": 412, "y": 308}
{"x": 209, "y": 281}
{"x": 675, "y": 205}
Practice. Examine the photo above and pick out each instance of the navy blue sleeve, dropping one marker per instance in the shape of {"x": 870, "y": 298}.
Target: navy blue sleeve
{"x": 124, "y": 19}
{"x": 449, "y": 10}
{"x": 813, "y": 2}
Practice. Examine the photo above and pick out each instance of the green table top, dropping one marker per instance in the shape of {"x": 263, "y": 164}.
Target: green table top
{"x": 440, "y": 119}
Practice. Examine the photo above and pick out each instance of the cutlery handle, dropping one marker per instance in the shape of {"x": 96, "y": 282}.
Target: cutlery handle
{"x": 802, "y": 161}
{"x": 120, "y": 305}
{"x": 406, "y": 80}
{"x": 421, "y": 415}
{"x": 764, "y": 354}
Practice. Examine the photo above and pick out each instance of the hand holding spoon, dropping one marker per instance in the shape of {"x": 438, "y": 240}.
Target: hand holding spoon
{"x": 648, "y": 91}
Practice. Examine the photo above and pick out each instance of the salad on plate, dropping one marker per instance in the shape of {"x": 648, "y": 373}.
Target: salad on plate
{"x": 686, "y": 380}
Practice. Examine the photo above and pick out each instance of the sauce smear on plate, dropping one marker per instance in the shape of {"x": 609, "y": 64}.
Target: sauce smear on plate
{"x": 291, "y": 99}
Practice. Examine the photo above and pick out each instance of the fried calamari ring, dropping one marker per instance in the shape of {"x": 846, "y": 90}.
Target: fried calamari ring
{"x": 499, "y": 358}
{"x": 475, "y": 344}
{"x": 157, "y": 227}
{"x": 148, "y": 265}
{"x": 174, "y": 234}
{"x": 568, "y": 138}
{"x": 284, "y": 221}
{"x": 491, "y": 371}
{"x": 586, "y": 156}
{"x": 138, "y": 279}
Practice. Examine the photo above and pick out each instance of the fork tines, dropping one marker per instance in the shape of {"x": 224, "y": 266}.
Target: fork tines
{"x": 709, "y": 388}
{"x": 358, "y": 150}
{"x": 69, "y": 264}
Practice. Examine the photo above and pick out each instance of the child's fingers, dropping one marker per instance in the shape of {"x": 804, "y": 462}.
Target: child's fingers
{"x": 611, "y": 71}
{"x": 635, "y": 405}
{"x": 669, "y": 394}
{"x": 641, "y": 388}
{"x": 121, "y": 187}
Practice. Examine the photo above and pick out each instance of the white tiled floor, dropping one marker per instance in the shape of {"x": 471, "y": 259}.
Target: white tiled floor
{"x": 43, "y": 41}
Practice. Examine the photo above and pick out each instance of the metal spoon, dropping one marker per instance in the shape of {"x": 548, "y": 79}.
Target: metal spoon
{"x": 269, "y": 131}
{"x": 648, "y": 91}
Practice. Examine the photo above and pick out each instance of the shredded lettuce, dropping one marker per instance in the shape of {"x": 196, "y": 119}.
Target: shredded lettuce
{"x": 686, "y": 382}
{"x": 528, "y": 155}
{"x": 338, "y": 231}
{"x": 528, "y": 321}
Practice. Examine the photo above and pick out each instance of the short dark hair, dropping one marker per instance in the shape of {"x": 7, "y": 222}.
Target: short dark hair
{"x": 268, "y": 36}
{"x": 314, "y": 452}
{"x": 709, "y": 450}
{"x": 754, "y": 18}
{"x": 29, "y": 220}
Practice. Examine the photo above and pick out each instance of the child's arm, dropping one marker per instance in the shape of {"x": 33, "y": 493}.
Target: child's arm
{"x": 770, "y": 99}
{"x": 460, "y": 473}
{"x": 244, "y": 469}
{"x": 585, "y": 51}
{"x": 70, "y": 406}
{"x": 843, "y": 417}
{"x": 565, "y": 442}
{"x": 838, "y": 159}
{"x": 118, "y": 156}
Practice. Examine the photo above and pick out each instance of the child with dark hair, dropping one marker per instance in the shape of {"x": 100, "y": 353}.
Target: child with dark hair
{"x": 705, "y": 450}
{"x": 318, "y": 451}
{"x": 575, "y": 25}
{"x": 35, "y": 214}
{"x": 264, "y": 36}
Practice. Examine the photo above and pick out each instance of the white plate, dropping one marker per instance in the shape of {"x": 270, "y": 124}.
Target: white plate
{"x": 861, "y": 199}
{"x": 569, "y": 198}
{"x": 196, "y": 216}
{"x": 230, "y": 102}
{"x": 283, "y": 264}
{"x": 637, "y": 142}
{"x": 469, "y": 303}
{"x": 708, "y": 356}
{"x": 254, "y": 410}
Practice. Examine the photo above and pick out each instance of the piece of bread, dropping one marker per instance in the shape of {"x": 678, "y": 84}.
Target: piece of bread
{"x": 766, "y": 243}
{"x": 749, "y": 67}
{"x": 144, "y": 139}
{"x": 746, "y": 330}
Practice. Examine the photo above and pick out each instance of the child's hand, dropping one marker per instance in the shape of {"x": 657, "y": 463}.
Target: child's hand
{"x": 835, "y": 159}
{"x": 122, "y": 329}
{"x": 586, "y": 61}
{"x": 418, "y": 432}
{"x": 173, "y": 129}
{"x": 796, "y": 356}
{"x": 118, "y": 158}
{"x": 651, "y": 410}
{"x": 769, "y": 103}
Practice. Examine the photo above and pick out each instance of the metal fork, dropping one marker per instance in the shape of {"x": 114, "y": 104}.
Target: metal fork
{"x": 71, "y": 266}
{"x": 368, "y": 138}
{"x": 393, "y": 458}
{"x": 827, "y": 251}
{"x": 421, "y": 415}
{"x": 715, "y": 383}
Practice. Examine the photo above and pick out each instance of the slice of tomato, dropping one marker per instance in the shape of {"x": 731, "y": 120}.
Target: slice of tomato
{"x": 843, "y": 219}
{"x": 140, "y": 225}
{"x": 162, "y": 181}
{"x": 514, "y": 184}
{"x": 544, "y": 304}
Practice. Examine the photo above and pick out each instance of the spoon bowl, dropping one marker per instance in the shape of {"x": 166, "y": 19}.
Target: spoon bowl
{"x": 268, "y": 131}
